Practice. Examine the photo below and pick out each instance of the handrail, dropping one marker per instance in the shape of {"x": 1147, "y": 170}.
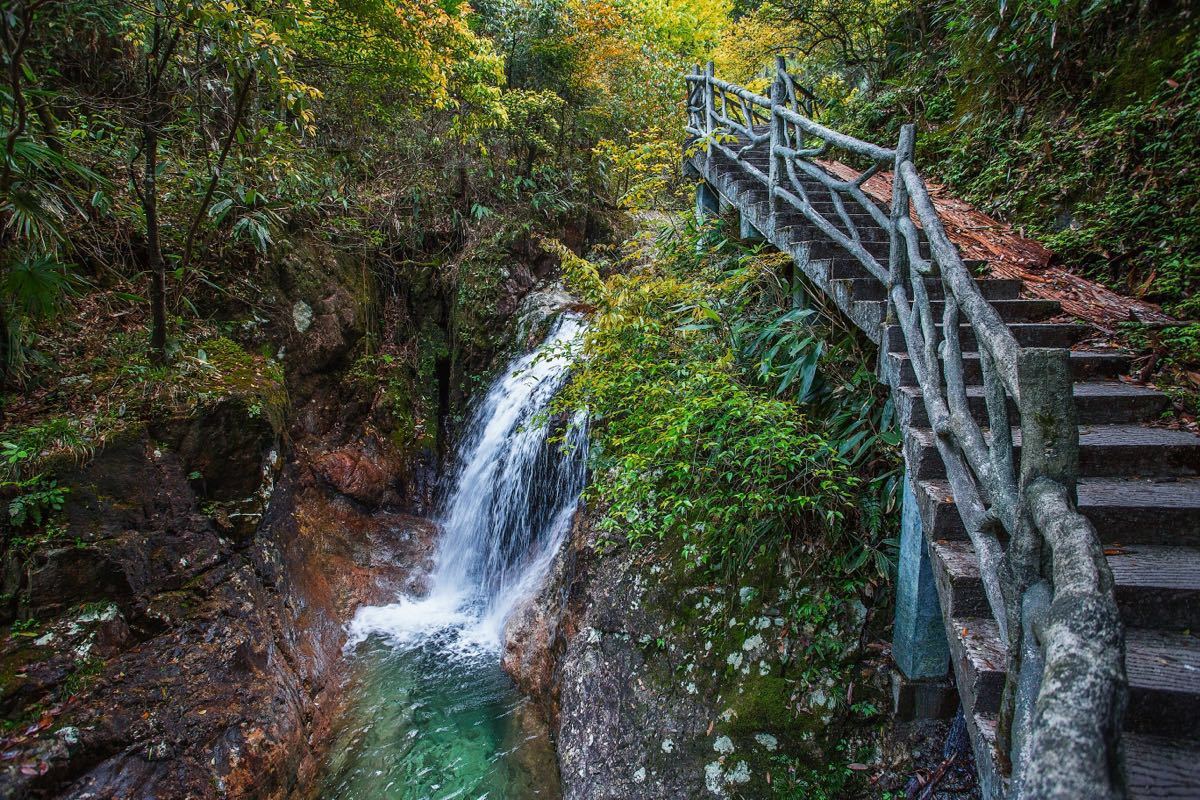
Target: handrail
{"x": 1044, "y": 573}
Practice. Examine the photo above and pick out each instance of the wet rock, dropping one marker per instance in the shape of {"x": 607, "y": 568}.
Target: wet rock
{"x": 302, "y": 316}
{"x": 354, "y": 472}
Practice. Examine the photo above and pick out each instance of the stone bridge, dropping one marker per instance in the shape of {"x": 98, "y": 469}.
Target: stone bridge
{"x": 1050, "y": 546}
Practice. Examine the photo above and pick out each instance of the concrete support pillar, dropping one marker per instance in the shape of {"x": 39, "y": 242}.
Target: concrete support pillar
{"x": 708, "y": 202}
{"x": 748, "y": 232}
{"x": 800, "y": 298}
{"x": 919, "y": 637}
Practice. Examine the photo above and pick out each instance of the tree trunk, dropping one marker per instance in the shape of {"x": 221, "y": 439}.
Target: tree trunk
{"x": 157, "y": 60}
{"x": 154, "y": 258}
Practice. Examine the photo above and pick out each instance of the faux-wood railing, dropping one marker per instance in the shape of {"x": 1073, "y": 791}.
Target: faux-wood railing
{"x": 1044, "y": 572}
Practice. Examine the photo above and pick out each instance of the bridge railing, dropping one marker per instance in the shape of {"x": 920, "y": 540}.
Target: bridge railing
{"x": 1043, "y": 569}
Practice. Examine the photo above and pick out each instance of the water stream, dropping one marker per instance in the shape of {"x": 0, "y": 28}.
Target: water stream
{"x": 431, "y": 713}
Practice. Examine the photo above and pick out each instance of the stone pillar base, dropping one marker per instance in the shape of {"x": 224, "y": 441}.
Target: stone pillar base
{"x": 926, "y": 698}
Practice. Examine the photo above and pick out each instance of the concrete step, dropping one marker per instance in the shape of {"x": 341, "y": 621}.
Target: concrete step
{"x": 1085, "y": 366}
{"x": 869, "y": 289}
{"x": 827, "y": 248}
{"x": 1156, "y": 767}
{"x": 1027, "y": 334}
{"x": 1104, "y": 451}
{"x": 1159, "y": 768}
{"x": 1157, "y": 585}
{"x": 866, "y": 228}
{"x": 1022, "y": 310}
{"x": 1124, "y": 511}
{"x": 788, "y": 216}
{"x": 847, "y": 268}
{"x": 1163, "y": 669}
{"x": 747, "y": 190}
{"x": 1097, "y": 403}
{"x": 845, "y": 265}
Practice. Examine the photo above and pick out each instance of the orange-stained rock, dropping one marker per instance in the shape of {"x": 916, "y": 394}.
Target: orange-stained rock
{"x": 352, "y": 472}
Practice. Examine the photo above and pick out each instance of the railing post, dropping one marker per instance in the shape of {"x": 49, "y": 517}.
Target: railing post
{"x": 1049, "y": 449}
{"x": 710, "y": 114}
{"x": 778, "y": 138}
{"x": 897, "y": 253}
{"x": 1049, "y": 427}
{"x": 693, "y": 99}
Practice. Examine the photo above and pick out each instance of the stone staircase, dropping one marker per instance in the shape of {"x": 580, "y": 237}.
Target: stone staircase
{"x": 1139, "y": 486}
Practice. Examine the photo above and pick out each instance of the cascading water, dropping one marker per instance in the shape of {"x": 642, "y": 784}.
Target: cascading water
{"x": 433, "y": 715}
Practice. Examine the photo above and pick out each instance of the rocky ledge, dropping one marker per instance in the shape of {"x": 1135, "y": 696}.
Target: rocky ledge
{"x": 189, "y": 648}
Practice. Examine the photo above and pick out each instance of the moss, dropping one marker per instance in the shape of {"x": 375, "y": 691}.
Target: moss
{"x": 86, "y": 672}
{"x": 1141, "y": 66}
{"x": 256, "y": 381}
{"x": 763, "y": 703}
{"x": 307, "y": 268}
{"x": 403, "y": 395}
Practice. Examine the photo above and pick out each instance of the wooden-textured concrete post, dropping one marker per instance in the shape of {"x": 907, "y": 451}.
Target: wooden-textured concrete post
{"x": 710, "y": 112}
{"x": 747, "y": 231}
{"x": 708, "y": 202}
{"x": 775, "y": 167}
{"x": 897, "y": 253}
{"x": 919, "y": 636}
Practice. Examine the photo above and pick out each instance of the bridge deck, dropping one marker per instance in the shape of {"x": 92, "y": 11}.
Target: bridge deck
{"x": 1140, "y": 488}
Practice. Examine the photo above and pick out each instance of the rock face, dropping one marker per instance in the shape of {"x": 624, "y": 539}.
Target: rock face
{"x": 180, "y": 634}
{"x": 179, "y": 661}
{"x": 656, "y": 683}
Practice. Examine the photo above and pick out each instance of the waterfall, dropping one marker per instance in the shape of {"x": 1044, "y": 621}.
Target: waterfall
{"x": 512, "y": 494}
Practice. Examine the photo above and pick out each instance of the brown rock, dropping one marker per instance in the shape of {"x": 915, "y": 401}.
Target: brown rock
{"x": 351, "y": 471}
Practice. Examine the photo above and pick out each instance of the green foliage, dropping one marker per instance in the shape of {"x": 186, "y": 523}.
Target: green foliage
{"x": 33, "y": 496}
{"x": 1136, "y": 227}
{"x": 1076, "y": 120}
{"x": 36, "y": 499}
{"x": 695, "y": 440}
{"x": 831, "y": 779}
{"x": 267, "y": 117}
{"x": 405, "y": 390}
{"x": 1174, "y": 358}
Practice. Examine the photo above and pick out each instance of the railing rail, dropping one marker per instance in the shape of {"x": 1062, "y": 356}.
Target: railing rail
{"x": 1043, "y": 569}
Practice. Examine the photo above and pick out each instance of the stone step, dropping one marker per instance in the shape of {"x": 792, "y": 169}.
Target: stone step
{"x": 1097, "y": 403}
{"x": 747, "y": 190}
{"x": 1156, "y": 585}
{"x": 1124, "y": 511}
{"x": 747, "y": 183}
{"x": 848, "y": 268}
{"x": 1029, "y": 309}
{"x": 1163, "y": 669}
{"x": 1027, "y": 334}
{"x": 869, "y": 289}
{"x": 1159, "y": 768}
{"x": 1022, "y": 310}
{"x": 1104, "y": 451}
{"x": 788, "y": 217}
{"x": 827, "y": 248}
{"x": 866, "y": 228}
{"x": 1156, "y": 767}
{"x": 844, "y": 265}
{"x": 1085, "y": 365}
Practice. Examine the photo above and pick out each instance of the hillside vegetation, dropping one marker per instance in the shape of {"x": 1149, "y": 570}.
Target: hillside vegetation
{"x": 187, "y": 187}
